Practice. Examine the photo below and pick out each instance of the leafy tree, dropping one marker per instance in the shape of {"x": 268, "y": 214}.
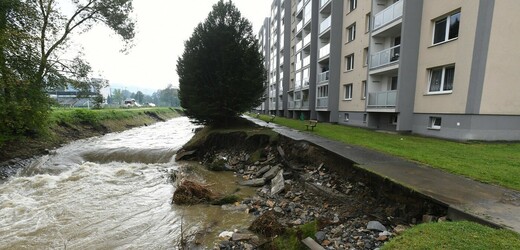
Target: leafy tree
{"x": 139, "y": 97}
{"x": 34, "y": 35}
{"x": 117, "y": 96}
{"x": 221, "y": 72}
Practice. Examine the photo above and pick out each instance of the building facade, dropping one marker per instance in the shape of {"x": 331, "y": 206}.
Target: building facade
{"x": 439, "y": 68}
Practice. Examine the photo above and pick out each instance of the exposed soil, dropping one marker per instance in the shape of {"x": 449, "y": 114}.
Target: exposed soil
{"x": 345, "y": 201}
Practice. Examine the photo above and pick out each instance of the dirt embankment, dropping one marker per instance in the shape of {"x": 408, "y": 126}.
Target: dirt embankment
{"x": 17, "y": 153}
{"x": 316, "y": 186}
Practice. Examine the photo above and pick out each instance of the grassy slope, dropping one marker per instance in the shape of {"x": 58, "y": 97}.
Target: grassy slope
{"x": 454, "y": 235}
{"x": 496, "y": 163}
{"x": 70, "y": 124}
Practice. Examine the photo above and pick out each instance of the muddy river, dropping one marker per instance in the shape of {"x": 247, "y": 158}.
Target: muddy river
{"x": 111, "y": 192}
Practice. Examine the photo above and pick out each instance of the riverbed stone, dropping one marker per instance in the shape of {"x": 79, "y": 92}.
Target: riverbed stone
{"x": 254, "y": 182}
{"x": 271, "y": 173}
{"x": 262, "y": 171}
{"x": 277, "y": 183}
{"x": 376, "y": 226}
{"x": 320, "y": 236}
{"x": 241, "y": 237}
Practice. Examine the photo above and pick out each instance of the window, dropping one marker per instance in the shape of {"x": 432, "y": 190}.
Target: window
{"x": 393, "y": 85}
{"x": 441, "y": 79}
{"x": 346, "y": 117}
{"x": 363, "y": 89}
{"x": 351, "y": 32}
{"x": 367, "y": 23}
{"x": 348, "y": 92}
{"x": 352, "y": 5}
{"x": 365, "y": 57}
{"x": 446, "y": 28}
{"x": 393, "y": 119}
{"x": 365, "y": 118}
{"x": 435, "y": 122}
{"x": 349, "y": 62}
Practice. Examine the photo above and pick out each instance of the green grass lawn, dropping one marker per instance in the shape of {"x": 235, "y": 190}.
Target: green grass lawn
{"x": 454, "y": 235}
{"x": 496, "y": 163}
{"x": 94, "y": 115}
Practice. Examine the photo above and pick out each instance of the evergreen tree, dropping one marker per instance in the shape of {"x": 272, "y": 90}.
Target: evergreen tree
{"x": 221, "y": 72}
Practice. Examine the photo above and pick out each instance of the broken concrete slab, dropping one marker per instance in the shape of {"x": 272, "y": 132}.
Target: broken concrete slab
{"x": 277, "y": 183}
{"x": 254, "y": 182}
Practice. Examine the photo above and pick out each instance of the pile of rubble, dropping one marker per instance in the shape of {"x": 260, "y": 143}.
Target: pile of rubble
{"x": 348, "y": 214}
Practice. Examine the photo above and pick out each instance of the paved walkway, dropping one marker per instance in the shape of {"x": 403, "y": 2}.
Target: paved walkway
{"x": 466, "y": 198}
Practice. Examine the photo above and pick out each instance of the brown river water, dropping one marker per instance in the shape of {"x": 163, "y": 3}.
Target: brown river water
{"x": 112, "y": 192}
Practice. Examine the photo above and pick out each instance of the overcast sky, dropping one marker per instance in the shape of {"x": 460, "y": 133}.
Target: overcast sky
{"x": 162, "y": 28}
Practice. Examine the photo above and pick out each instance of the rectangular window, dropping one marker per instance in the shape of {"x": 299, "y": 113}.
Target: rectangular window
{"x": 446, "y": 28}
{"x": 351, "y": 32}
{"x": 393, "y": 119}
{"x": 346, "y": 117}
{"x": 441, "y": 79}
{"x": 352, "y": 5}
{"x": 435, "y": 123}
{"x": 363, "y": 89}
{"x": 367, "y": 23}
{"x": 349, "y": 62}
{"x": 348, "y": 92}
{"x": 365, "y": 57}
{"x": 365, "y": 118}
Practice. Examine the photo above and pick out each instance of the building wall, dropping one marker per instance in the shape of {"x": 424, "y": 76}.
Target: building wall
{"x": 356, "y": 47}
{"x": 458, "y": 51}
{"x": 501, "y": 91}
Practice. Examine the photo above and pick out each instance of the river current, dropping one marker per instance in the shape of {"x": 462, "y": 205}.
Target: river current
{"x": 109, "y": 192}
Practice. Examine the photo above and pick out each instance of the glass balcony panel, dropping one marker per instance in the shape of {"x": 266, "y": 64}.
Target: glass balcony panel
{"x": 388, "y": 15}
{"x": 325, "y": 24}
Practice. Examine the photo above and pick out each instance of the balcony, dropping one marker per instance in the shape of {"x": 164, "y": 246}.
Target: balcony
{"x": 290, "y": 104}
{"x": 385, "y": 57}
{"x": 299, "y": 7}
{"x": 324, "y": 51}
{"x": 298, "y": 65}
{"x": 299, "y": 26}
{"x": 323, "y": 77}
{"x": 299, "y": 46}
{"x": 307, "y": 40}
{"x": 388, "y": 15}
{"x": 306, "y": 61}
{"x": 323, "y": 3}
{"x": 298, "y": 104}
{"x": 305, "y": 104}
{"x": 382, "y": 100}
{"x": 322, "y": 102}
{"x": 325, "y": 24}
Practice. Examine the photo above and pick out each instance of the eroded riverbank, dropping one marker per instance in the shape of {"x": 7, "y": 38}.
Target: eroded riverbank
{"x": 350, "y": 208}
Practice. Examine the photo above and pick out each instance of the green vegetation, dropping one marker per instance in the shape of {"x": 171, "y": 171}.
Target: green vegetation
{"x": 454, "y": 235}
{"x": 217, "y": 89}
{"x": 496, "y": 163}
{"x": 34, "y": 36}
{"x": 293, "y": 237}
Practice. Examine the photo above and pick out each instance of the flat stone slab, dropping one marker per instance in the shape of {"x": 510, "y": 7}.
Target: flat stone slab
{"x": 262, "y": 171}
{"x": 277, "y": 183}
{"x": 254, "y": 182}
{"x": 271, "y": 173}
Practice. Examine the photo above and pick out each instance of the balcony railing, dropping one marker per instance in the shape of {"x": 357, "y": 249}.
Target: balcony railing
{"x": 325, "y": 51}
{"x": 299, "y": 6}
{"x": 386, "y": 99}
{"x": 299, "y": 46}
{"x": 325, "y": 24}
{"x": 322, "y": 102}
{"x": 306, "y": 61}
{"x": 298, "y": 104}
{"x": 388, "y": 15}
{"x": 290, "y": 104}
{"x": 306, "y": 40}
{"x": 305, "y": 104}
{"x": 299, "y": 26}
{"x": 385, "y": 57}
{"x": 323, "y": 77}
{"x": 323, "y": 3}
